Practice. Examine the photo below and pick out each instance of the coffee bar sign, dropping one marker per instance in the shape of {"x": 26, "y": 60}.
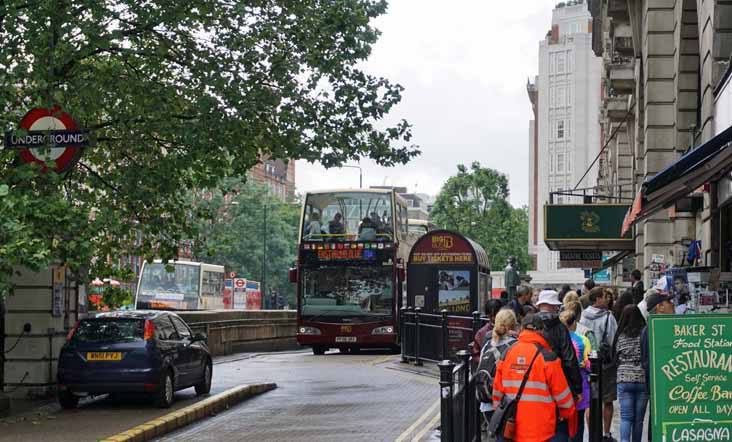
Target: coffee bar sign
{"x": 691, "y": 377}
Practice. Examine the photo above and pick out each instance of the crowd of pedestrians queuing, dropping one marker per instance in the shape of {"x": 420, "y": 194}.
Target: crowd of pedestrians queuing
{"x": 547, "y": 337}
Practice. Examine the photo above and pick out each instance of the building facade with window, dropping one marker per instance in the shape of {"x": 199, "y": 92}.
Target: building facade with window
{"x": 565, "y": 135}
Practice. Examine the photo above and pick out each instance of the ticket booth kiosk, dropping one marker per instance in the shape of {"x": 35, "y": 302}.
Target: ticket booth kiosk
{"x": 447, "y": 271}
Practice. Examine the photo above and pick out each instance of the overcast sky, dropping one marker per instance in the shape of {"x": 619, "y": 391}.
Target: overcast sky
{"x": 464, "y": 66}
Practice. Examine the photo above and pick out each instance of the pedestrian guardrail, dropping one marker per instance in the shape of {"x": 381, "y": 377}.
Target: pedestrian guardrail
{"x": 460, "y": 419}
{"x": 427, "y": 336}
{"x": 596, "y": 404}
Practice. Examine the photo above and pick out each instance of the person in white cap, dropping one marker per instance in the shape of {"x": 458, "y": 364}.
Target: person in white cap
{"x": 557, "y": 335}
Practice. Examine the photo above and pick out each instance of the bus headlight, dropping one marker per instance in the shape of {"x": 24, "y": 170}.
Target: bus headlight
{"x": 308, "y": 331}
{"x": 385, "y": 330}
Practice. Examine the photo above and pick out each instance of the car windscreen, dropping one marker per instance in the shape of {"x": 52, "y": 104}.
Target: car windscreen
{"x": 110, "y": 330}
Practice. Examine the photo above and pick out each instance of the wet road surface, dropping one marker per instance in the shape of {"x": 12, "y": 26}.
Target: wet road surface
{"x": 335, "y": 397}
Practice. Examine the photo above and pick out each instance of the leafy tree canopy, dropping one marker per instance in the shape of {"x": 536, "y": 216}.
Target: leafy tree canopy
{"x": 475, "y": 203}
{"x": 234, "y": 234}
{"x": 178, "y": 95}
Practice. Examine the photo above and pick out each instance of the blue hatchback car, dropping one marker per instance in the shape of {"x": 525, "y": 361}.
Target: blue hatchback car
{"x": 151, "y": 352}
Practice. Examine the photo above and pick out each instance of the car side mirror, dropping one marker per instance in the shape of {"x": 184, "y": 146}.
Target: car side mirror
{"x": 199, "y": 337}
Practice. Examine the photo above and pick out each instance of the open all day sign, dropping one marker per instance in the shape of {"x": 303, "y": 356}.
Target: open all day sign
{"x": 691, "y": 377}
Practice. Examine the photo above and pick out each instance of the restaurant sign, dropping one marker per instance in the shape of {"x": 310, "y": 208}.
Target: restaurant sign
{"x": 691, "y": 377}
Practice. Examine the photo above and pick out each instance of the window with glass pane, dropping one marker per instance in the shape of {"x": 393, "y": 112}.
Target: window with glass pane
{"x": 354, "y": 292}
{"x": 560, "y": 63}
{"x": 339, "y": 216}
{"x": 171, "y": 282}
{"x": 560, "y": 128}
{"x": 560, "y": 162}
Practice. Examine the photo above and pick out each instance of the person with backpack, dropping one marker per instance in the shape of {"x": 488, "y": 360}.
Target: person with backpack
{"x": 529, "y": 388}
{"x": 492, "y": 307}
{"x": 501, "y": 339}
{"x": 601, "y": 323}
{"x": 583, "y": 349}
{"x": 631, "y": 377}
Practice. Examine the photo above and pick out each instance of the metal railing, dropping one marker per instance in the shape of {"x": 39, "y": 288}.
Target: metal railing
{"x": 460, "y": 419}
{"x": 426, "y": 336}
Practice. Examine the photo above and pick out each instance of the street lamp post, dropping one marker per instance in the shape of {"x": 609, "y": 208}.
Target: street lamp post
{"x": 360, "y": 174}
{"x": 263, "y": 288}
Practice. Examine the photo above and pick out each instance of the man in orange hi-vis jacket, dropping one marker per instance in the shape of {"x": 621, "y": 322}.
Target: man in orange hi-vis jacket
{"x": 546, "y": 389}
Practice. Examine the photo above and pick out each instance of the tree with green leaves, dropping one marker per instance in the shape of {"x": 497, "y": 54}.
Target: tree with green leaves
{"x": 243, "y": 220}
{"x": 475, "y": 203}
{"x": 177, "y": 95}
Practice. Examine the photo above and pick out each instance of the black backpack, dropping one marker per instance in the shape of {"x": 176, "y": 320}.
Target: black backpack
{"x": 486, "y": 371}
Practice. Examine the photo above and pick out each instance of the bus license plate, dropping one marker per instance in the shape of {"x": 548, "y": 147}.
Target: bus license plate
{"x": 103, "y": 356}
{"x": 345, "y": 339}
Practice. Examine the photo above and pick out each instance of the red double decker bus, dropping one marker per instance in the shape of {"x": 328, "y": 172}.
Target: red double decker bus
{"x": 353, "y": 249}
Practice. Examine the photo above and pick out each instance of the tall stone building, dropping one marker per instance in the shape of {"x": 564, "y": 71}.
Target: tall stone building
{"x": 665, "y": 71}
{"x": 564, "y": 136}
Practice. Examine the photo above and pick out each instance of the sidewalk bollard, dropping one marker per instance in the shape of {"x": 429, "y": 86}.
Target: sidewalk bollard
{"x": 417, "y": 361}
{"x": 595, "y": 430}
{"x": 445, "y": 335}
{"x": 468, "y": 393}
{"x": 403, "y": 334}
{"x": 446, "y": 424}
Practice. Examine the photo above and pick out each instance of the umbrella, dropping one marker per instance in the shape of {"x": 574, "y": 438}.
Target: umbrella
{"x": 114, "y": 282}
{"x": 97, "y": 282}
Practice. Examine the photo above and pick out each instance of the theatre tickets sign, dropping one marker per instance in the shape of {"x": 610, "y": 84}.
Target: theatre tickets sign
{"x": 48, "y": 137}
{"x": 691, "y": 377}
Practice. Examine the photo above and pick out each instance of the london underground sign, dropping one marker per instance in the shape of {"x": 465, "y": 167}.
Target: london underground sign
{"x": 48, "y": 135}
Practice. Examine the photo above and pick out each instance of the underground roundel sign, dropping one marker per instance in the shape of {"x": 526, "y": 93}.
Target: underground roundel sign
{"x": 48, "y": 135}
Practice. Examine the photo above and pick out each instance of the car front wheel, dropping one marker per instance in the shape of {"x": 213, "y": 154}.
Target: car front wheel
{"x": 205, "y": 386}
{"x": 164, "y": 396}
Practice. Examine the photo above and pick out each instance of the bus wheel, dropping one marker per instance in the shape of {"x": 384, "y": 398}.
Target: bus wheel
{"x": 318, "y": 350}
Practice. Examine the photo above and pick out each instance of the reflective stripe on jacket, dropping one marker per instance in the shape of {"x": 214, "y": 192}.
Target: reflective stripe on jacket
{"x": 546, "y": 388}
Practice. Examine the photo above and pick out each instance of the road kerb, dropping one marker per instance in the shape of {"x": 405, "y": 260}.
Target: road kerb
{"x": 192, "y": 413}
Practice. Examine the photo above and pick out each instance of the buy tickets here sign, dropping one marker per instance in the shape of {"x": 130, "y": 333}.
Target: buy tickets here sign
{"x": 691, "y": 377}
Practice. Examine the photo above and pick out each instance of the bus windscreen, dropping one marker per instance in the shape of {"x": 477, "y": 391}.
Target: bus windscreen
{"x": 356, "y": 293}
{"x": 163, "y": 289}
{"x": 348, "y": 216}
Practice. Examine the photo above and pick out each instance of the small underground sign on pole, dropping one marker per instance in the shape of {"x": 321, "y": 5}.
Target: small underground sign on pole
{"x": 48, "y": 136}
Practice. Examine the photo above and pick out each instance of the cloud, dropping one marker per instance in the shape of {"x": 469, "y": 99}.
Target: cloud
{"x": 464, "y": 66}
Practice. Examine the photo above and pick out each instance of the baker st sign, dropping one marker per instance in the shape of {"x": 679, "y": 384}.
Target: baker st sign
{"x": 48, "y": 137}
{"x": 691, "y": 377}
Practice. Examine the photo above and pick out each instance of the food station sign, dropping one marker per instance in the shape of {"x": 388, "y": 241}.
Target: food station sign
{"x": 691, "y": 377}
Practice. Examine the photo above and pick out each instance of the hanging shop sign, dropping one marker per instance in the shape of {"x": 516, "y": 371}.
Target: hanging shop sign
{"x": 586, "y": 227}
{"x": 691, "y": 377}
{"x": 48, "y": 136}
{"x": 580, "y": 259}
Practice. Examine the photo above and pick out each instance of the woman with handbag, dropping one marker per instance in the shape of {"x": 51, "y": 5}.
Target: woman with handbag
{"x": 631, "y": 377}
{"x": 529, "y": 388}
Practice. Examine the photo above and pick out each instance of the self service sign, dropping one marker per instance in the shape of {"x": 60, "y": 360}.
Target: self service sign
{"x": 48, "y": 136}
{"x": 691, "y": 377}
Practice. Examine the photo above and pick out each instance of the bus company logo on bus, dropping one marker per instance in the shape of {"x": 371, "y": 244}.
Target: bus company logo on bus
{"x": 442, "y": 242}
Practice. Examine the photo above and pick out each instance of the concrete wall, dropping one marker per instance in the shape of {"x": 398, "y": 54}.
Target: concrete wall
{"x": 242, "y": 331}
{"x": 30, "y": 364}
